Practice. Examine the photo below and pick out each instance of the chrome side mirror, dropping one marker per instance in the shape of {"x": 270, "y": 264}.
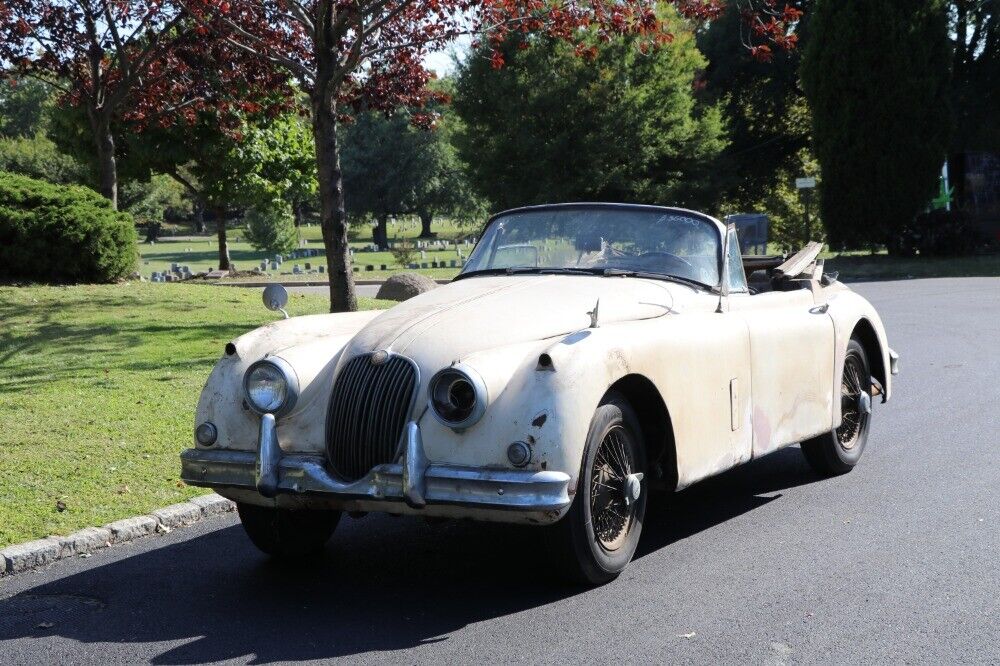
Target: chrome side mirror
{"x": 275, "y": 298}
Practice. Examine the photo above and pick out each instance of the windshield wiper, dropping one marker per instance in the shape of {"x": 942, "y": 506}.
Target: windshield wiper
{"x": 529, "y": 270}
{"x": 602, "y": 272}
{"x": 618, "y": 272}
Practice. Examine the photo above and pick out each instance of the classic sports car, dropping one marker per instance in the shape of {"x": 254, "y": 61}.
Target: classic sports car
{"x": 585, "y": 355}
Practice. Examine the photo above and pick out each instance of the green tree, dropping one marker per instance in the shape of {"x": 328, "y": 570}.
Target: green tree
{"x": 393, "y": 168}
{"x": 975, "y": 29}
{"x": 223, "y": 162}
{"x": 617, "y": 124}
{"x": 270, "y": 226}
{"x": 38, "y": 157}
{"x": 22, "y": 107}
{"x": 876, "y": 73}
{"x": 767, "y": 116}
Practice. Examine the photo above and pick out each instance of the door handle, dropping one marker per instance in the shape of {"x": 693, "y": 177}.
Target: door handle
{"x": 820, "y": 309}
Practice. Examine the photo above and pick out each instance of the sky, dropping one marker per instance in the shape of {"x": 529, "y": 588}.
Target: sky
{"x": 443, "y": 61}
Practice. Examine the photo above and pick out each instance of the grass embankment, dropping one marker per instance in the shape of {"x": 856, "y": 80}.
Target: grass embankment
{"x": 201, "y": 253}
{"x": 98, "y": 386}
{"x": 853, "y": 267}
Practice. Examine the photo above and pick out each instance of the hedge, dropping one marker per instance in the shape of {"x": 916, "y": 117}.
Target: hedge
{"x": 61, "y": 234}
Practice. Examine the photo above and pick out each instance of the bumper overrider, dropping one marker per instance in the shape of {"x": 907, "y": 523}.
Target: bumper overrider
{"x": 414, "y": 485}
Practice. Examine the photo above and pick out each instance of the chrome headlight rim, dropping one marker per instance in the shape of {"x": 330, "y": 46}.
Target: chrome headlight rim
{"x": 479, "y": 387}
{"x": 287, "y": 373}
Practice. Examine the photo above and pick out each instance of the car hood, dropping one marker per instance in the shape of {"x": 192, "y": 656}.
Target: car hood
{"x": 479, "y": 313}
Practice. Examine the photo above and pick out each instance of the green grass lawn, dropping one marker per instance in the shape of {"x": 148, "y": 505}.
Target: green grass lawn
{"x": 201, "y": 253}
{"x": 98, "y": 386}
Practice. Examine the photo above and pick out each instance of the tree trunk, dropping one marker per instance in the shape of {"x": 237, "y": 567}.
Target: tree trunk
{"x": 199, "y": 217}
{"x": 333, "y": 215}
{"x": 104, "y": 146}
{"x": 298, "y": 214}
{"x": 198, "y": 207}
{"x": 220, "y": 224}
{"x": 380, "y": 232}
{"x": 426, "y": 217}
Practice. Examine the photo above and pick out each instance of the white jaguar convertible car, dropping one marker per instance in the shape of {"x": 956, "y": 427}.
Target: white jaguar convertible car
{"x": 586, "y": 355}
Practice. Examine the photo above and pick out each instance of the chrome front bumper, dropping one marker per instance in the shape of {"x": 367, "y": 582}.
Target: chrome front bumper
{"x": 412, "y": 486}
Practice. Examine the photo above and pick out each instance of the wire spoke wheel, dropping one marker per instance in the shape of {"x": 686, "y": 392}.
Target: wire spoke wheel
{"x": 610, "y": 510}
{"x": 851, "y": 388}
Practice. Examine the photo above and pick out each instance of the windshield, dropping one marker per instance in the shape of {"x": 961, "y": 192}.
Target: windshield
{"x": 604, "y": 240}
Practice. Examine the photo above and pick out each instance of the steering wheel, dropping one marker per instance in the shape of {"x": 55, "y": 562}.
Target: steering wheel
{"x": 667, "y": 255}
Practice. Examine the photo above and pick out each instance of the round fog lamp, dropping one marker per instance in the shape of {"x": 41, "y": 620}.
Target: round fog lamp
{"x": 518, "y": 454}
{"x": 206, "y": 434}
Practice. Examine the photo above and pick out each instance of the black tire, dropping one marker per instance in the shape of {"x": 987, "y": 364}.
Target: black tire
{"x": 287, "y": 533}
{"x": 838, "y": 451}
{"x": 583, "y": 552}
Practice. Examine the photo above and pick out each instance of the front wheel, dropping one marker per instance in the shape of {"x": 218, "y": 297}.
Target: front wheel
{"x": 596, "y": 540}
{"x": 288, "y": 533}
{"x": 839, "y": 450}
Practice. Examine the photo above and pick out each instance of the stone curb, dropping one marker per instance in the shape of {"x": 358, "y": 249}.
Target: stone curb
{"x": 33, "y": 554}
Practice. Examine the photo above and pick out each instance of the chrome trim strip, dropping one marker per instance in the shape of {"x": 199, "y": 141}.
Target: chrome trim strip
{"x": 416, "y": 480}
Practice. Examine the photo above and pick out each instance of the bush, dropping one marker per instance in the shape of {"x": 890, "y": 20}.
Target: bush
{"x": 403, "y": 252}
{"x": 62, "y": 234}
{"x": 940, "y": 233}
{"x": 271, "y": 227}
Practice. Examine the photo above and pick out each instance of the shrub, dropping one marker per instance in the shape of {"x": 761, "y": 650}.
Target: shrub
{"x": 940, "y": 233}
{"x": 403, "y": 252}
{"x": 61, "y": 234}
{"x": 271, "y": 227}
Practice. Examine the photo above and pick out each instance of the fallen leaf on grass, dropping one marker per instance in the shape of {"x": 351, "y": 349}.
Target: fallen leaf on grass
{"x": 60, "y": 506}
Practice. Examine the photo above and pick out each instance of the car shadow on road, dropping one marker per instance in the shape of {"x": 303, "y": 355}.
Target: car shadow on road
{"x": 384, "y": 584}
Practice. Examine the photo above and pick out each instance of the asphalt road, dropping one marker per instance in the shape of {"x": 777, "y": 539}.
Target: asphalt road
{"x": 895, "y": 562}
{"x": 368, "y": 290}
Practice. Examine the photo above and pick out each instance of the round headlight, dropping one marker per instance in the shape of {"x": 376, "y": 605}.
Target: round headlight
{"x": 270, "y": 386}
{"x": 458, "y": 396}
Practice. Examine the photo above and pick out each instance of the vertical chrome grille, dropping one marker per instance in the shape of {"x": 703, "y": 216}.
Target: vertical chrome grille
{"x": 368, "y": 410}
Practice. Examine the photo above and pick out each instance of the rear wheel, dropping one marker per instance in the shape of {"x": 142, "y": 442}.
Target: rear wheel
{"x": 596, "y": 540}
{"x": 288, "y": 533}
{"x": 839, "y": 450}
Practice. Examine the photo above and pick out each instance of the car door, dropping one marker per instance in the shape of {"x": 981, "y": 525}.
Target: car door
{"x": 791, "y": 362}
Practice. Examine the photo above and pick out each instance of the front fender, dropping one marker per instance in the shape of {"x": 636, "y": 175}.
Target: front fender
{"x": 849, "y": 311}
{"x": 312, "y": 345}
